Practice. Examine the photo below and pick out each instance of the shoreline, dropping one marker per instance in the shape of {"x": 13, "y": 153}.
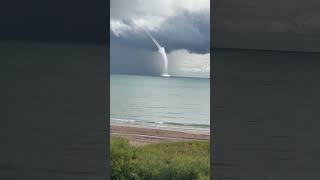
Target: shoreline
{"x": 143, "y": 135}
{"x": 161, "y": 126}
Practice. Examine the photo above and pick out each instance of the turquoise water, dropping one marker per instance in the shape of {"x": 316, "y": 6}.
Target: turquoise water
{"x": 161, "y": 102}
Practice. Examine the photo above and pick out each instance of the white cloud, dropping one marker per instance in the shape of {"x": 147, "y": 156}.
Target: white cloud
{"x": 119, "y": 28}
{"x": 151, "y": 13}
{"x": 185, "y": 63}
{"x": 164, "y": 8}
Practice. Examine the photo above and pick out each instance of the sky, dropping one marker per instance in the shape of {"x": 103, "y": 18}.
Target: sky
{"x": 181, "y": 26}
{"x": 57, "y": 21}
{"x": 273, "y": 24}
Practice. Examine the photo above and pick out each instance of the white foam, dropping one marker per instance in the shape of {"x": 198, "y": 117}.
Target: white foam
{"x": 165, "y": 75}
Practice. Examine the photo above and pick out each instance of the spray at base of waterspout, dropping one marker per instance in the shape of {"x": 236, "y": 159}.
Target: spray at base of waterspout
{"x": 165, "y": 75}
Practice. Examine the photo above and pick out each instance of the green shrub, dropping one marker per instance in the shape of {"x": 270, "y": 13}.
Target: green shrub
{"x": 167, "y": 161}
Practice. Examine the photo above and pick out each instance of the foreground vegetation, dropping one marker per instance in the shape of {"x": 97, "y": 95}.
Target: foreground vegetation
{"x": 167, "y": 161}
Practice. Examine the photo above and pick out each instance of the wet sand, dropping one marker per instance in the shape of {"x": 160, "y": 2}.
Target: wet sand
{"x": 141, "y": 136}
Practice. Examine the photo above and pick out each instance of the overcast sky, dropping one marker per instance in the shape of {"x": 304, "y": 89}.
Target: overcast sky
{"x": 181, "y": 26}
{"x": 57, "y": 21}
{"x": 261, "y": 24}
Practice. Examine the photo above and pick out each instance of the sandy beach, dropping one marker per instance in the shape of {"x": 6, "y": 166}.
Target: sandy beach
{"x": 140, "y": 135}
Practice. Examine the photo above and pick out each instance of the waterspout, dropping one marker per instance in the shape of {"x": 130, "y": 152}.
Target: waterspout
{"x": 162, "y": 51}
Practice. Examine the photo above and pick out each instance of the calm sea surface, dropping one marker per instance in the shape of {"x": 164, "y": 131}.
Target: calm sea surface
{"x": 161, "y": 102}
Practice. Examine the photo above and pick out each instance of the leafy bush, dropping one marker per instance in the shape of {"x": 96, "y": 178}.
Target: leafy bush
{"x": 167, "y": 161}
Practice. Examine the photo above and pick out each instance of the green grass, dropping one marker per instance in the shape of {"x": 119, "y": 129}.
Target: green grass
{"x": 162, "y": 161}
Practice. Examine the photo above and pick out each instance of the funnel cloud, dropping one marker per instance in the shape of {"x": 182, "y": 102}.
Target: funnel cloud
{"x": 163, "y": 54}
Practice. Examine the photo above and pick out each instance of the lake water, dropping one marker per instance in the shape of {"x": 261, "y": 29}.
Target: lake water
{"x": 160, "y": 102}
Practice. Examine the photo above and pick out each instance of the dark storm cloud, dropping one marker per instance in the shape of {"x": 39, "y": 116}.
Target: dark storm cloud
{"x": 186, "y": 30}
{"x": 280, "y": 25}
{"x": 176, "y": 25}
{"x": 127, "y": 60}
{"x": 71, "y": 21}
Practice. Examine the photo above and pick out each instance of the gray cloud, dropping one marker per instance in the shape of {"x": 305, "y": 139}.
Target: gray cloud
{"x": 190, "y": 31}
{"x": 72, "y": 21}
{"x": 179, "y": 24}
{"x": 129, "y": 60}
{"x": 273, "y": 24}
